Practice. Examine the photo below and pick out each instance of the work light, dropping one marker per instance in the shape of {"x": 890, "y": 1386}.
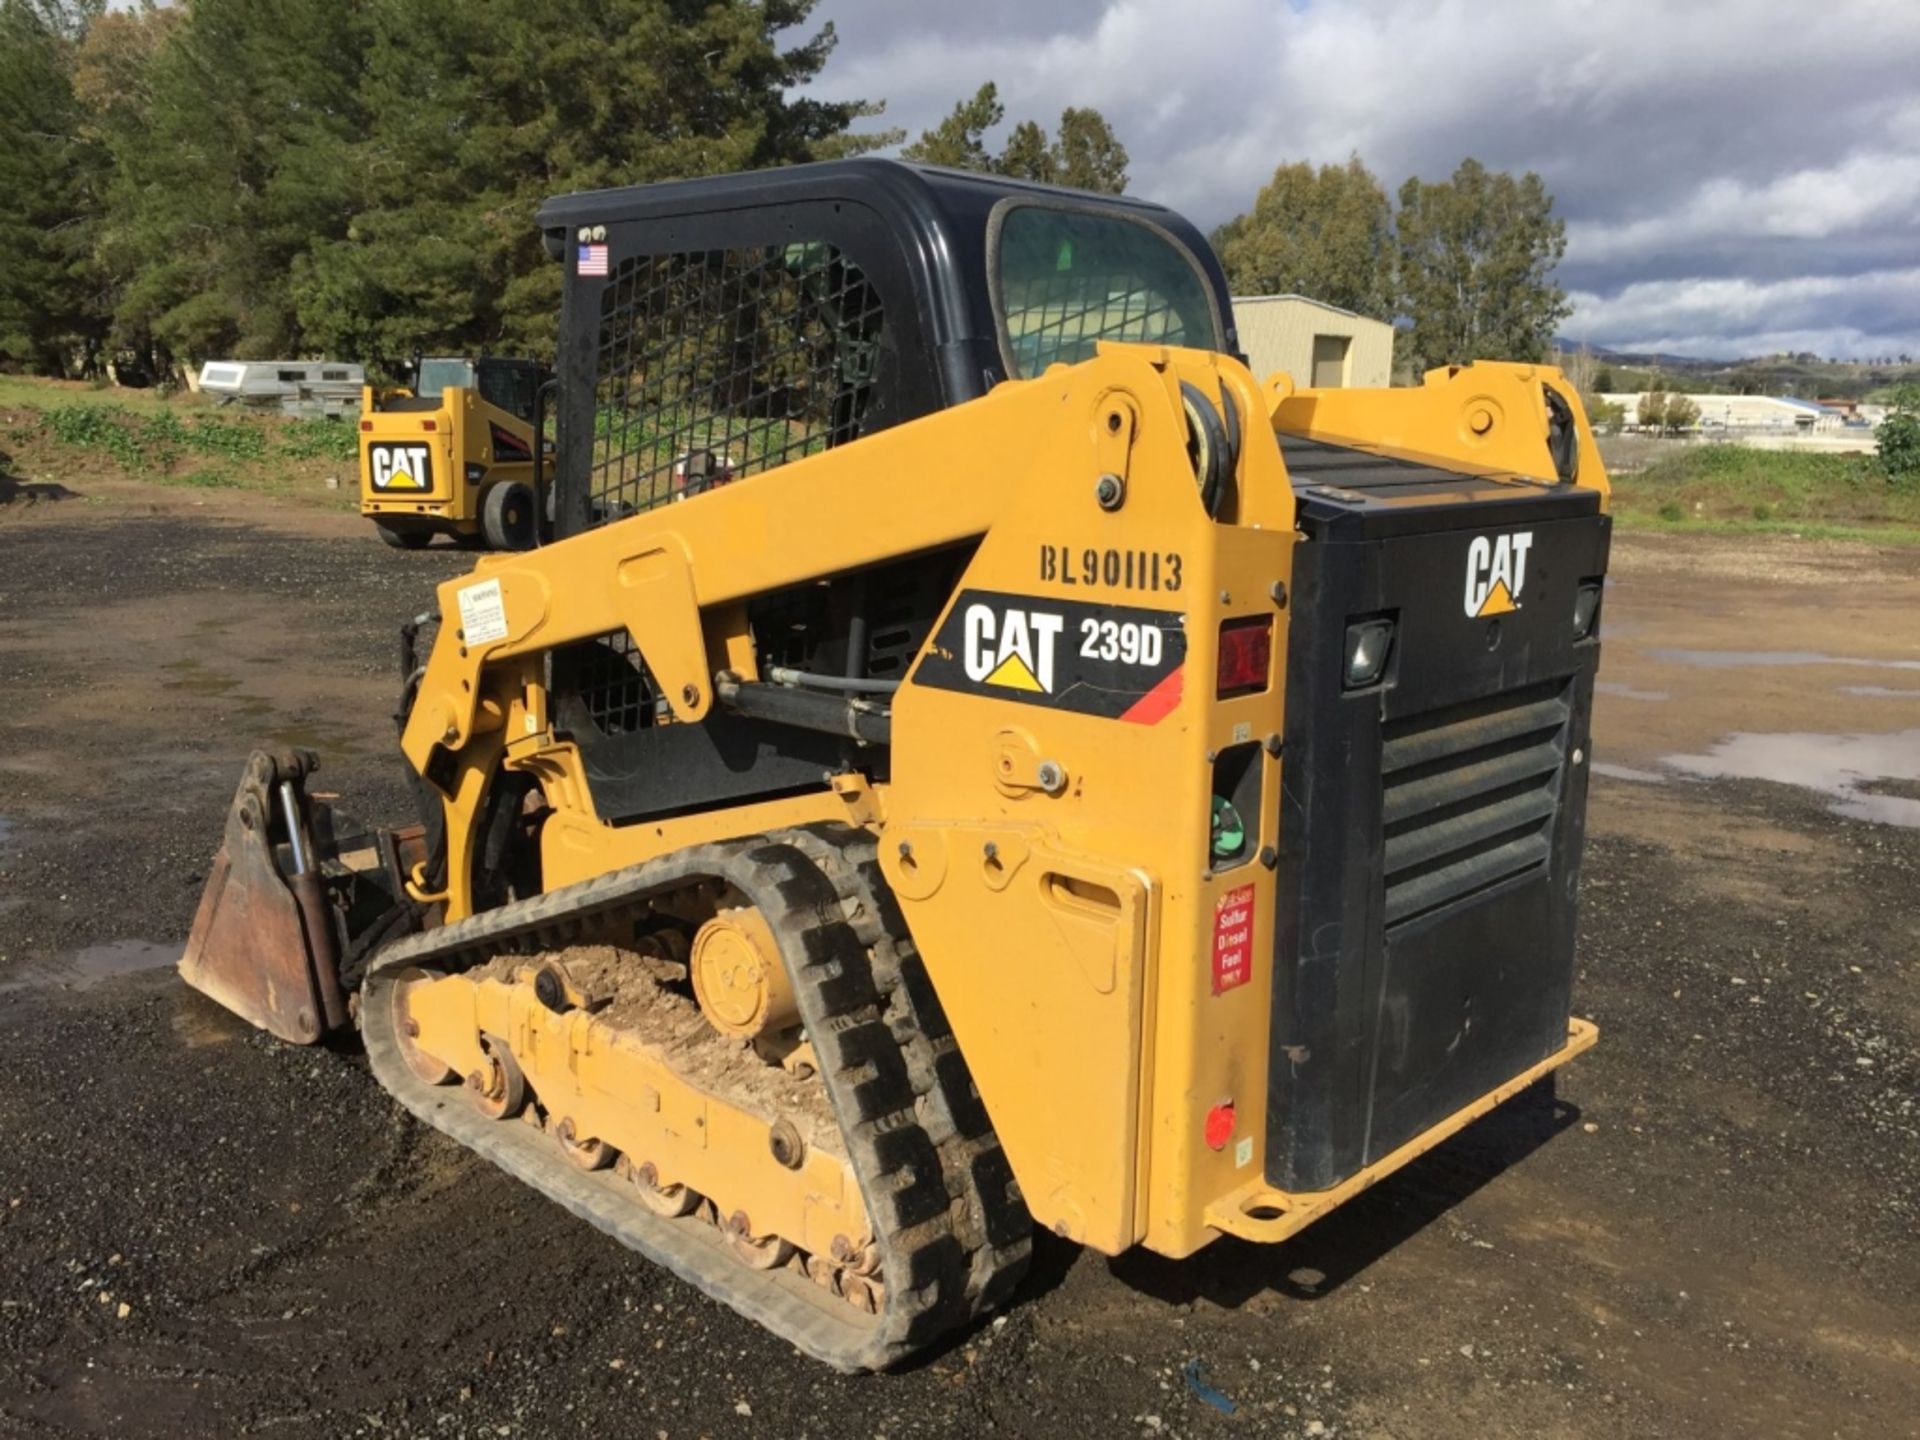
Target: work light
{"x": 1586, "y": 605}
{"x": 1369, "y": 642}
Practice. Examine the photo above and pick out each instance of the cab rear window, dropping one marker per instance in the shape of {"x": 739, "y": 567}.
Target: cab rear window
{"x": 438, "y": 376}
{"x": 1064, "y": 279}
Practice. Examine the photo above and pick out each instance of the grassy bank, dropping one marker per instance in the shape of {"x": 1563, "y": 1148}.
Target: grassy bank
{"x": 27, "y": 392}
{"x": 72, "y": 433}
{"x": 1736, "y": 489}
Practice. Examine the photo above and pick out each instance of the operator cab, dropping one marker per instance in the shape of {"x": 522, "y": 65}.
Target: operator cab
{"x": 733, "y": 323}
{"x": 510, "y": 385}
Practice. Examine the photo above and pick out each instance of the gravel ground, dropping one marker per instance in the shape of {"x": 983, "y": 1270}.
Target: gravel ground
{"x": 1710, "y": 1230}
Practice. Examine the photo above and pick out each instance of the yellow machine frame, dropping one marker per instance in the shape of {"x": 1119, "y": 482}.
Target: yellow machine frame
{"x": 1052, "y": 866}
{"x": 459, "y": 438}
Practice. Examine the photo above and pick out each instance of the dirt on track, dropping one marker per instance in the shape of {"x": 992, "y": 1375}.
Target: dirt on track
{"x": 1710, "y": 1231}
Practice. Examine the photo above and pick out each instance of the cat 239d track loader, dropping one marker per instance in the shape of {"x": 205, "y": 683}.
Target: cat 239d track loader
{"x": 973, "y": 756}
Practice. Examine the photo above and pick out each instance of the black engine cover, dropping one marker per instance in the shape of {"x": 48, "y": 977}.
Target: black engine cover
{"x": 1431, "y": 821}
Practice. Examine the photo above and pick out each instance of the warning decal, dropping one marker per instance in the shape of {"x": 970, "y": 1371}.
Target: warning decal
{"x": 483, "y": 617}
{"x": 1233, "y": 939}
{"x": 1116, "y": 661}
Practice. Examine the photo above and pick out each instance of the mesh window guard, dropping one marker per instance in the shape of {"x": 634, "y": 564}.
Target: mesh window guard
{"x": 720, "y": 364}
{"x": 712, "y": 366}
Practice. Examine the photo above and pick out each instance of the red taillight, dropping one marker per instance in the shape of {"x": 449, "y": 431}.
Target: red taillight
{"x": 1219, "y": 1127}
{"x": 1246, "y": 655}
{"x": 366, "y": 424}
{"x": 429, "y": 424}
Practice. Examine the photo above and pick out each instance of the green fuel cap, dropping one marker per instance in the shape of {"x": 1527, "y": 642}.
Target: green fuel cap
{"x": 1229, "y": 832}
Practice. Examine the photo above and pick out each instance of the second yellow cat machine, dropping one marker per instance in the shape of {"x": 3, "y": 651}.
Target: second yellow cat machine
{"x": 974, "y": 757}
{"x": 456, "y": 454}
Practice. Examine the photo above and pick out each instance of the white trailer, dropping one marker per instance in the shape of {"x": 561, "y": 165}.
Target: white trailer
{"x": 299, "y": 387}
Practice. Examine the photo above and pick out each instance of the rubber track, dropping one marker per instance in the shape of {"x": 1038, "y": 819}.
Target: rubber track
{"x": 949, "y": 1227}
{"x": 989, "y": 1214}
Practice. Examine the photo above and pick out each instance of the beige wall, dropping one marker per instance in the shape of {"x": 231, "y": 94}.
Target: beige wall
{"x": 1278, "y": 333}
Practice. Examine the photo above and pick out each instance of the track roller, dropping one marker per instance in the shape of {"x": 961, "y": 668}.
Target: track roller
{"x": 949, "y": 1235}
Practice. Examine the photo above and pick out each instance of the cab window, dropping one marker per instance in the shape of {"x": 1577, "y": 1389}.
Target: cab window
{"x": 438, "y": 376}
{"x": 508, "y": 385}
{"x": 1065, "y": 279}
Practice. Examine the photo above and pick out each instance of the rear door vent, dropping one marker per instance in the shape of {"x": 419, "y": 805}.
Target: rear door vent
{"x": 1469, "y": 795}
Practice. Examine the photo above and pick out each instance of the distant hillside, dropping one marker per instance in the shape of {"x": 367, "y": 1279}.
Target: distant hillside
{"x": 1806, "y": 376}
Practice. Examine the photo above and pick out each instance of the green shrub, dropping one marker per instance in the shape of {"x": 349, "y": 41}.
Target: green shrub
{"x": 98, "y": 427}
{"x": 146, "y": 443}
{"x": 315, "y": 439}
{"x": 1605, "y": 416}
{"x": 230, "y": 439}
{"x": 1898, "y": 440}
{"x": 83, "y": 425}
{"x": 160, "y": 439}
{"x": 164, "y": 428}
{"x": 1772, "y": 488}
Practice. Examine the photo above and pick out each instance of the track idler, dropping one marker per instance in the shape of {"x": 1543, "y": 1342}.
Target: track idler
{"x": 904, "y": 1225}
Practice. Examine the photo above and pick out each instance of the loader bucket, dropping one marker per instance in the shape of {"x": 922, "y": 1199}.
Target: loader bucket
{"x": 262, "y": 942}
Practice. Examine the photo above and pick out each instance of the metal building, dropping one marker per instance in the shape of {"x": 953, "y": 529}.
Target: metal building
{"x": 1317, "y": 344}
{"x": 1746, "y": 412}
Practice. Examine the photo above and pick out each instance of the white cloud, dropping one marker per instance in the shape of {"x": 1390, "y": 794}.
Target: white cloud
{"x": 1876, "y": 188}
{"x": 1723, "y": 139}
{"x": 1693, "y": 316}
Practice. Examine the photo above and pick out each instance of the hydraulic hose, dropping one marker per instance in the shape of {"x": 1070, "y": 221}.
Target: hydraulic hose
{"x": 811, "y": 680}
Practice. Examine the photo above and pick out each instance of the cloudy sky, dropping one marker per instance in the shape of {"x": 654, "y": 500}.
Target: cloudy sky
{"x": 1737, "y": 176}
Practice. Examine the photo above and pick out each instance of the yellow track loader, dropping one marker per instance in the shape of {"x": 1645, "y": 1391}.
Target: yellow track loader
{"x": 456, "y": 454}
{"x": 973, "y": 756}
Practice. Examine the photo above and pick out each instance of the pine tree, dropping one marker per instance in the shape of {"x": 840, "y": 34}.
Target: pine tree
{"x": 50, "y": 316}
{"x": 1088, "y": 155}
{"x": 1476, "y": 259}
{"x": 1084, "y": 152}
{"x": 476, "y": 114}
{"x": 1028, "y": 155}
{"x": 960, "y": 140}
{"x": 1326, "y": 234}
{"x": 360, "y": 179}
{"x": 240, "y": 166}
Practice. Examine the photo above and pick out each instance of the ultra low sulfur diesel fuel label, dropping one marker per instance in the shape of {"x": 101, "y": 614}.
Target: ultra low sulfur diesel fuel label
{"x": 1233, "y": 939}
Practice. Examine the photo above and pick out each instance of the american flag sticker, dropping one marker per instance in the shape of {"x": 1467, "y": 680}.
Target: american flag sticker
{"x": 593, "y": 260}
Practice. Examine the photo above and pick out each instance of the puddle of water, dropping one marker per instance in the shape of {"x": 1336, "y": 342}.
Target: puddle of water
{"x": 1749, "y": 659}
{"x": 1627, "y": 772}
{"x": 1846, "y": 768}
{"x": 1627, "y": 692}
{"x": 1892, "y": 692}
{"x": 96, "y": 963}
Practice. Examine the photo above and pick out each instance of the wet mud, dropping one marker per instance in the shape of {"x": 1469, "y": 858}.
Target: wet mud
{"x": 1708, "y": 1229}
